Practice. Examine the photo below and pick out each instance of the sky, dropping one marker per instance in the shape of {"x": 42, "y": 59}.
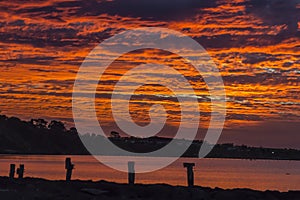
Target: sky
{"x": 254, "y": 43}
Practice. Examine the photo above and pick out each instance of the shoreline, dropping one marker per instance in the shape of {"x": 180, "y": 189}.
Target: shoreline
{"x": 227, "y": 158}
{"x": 37, "y": 188}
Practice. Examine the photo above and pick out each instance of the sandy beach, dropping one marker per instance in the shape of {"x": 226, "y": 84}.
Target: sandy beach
{"x": 33, "y": 188}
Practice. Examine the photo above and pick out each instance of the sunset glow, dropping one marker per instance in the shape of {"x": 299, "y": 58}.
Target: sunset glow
{"x": 256, "y": 50}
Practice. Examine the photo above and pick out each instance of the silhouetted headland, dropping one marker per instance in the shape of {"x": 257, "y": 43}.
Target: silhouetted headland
{"x": 38, "y": 136}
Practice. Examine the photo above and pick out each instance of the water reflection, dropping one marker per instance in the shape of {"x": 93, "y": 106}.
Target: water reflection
{"x": 223, "y": 173}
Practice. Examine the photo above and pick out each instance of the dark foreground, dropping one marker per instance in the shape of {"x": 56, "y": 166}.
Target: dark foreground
{"x": 31, "y": 189}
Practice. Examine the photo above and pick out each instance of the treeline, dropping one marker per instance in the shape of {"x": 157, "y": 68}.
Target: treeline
{"x": 38, "y": 136}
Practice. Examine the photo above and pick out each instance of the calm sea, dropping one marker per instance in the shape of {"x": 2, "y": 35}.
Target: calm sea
{"x": 223, "y": 173}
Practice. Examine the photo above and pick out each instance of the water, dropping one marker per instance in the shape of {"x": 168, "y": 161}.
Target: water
{"x": 223, "y": 173}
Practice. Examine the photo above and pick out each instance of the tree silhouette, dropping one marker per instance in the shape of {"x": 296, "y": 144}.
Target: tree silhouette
{"x": 115, "y": 134}
{"x": 39, "y": 123}
{"x": 57, "y": 126}
{"x": 73, "y": 130}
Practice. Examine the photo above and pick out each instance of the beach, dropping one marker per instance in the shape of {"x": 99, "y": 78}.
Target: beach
{"x": 34, "y": 188}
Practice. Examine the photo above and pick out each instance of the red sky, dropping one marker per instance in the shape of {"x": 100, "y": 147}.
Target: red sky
{"x": 254, "y": 43}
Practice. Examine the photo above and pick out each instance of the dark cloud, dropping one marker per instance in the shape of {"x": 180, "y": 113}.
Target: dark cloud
{"x": 37, "y": 60}
{"x": 247, "y": 117}
{"x": 261, "y": 78}
{"x": 274, "y": 12}
{"x": 41, "y": 93}
{"x": 43, "y": 70}
{"x": 144, "y": 9}
{"x": 240, "y": 41}
{"x": 47, "y": 12}
{"x": 288, "y": 64}
{"x": 42, "y": 38}
{"x": 253, "y": 58}
{"x": 17, "y": 23}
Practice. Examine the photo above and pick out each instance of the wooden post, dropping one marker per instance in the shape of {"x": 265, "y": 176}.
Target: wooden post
{"x": 20, "y": 171}
{"x": 12, "y": 171}
{"x": 131, "y": 173}
{"x": 190, "y": 173}
{"x": 69, "y": 166}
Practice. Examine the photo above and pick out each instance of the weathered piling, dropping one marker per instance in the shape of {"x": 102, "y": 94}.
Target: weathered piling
{"x": 20, "y": 171}
{"x": 131, "y": 173}
{"x": 69, "y": 166}
{"x": 12, "y": 170}
{"x": 190, "y": 173}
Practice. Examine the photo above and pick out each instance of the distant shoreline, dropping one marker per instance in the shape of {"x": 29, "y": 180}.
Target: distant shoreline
{"x": 70, "y": 155}
{"x": 36, "y": 188}
{"x": 38, "y": 137}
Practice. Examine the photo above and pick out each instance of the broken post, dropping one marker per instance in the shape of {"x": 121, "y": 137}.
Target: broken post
{"x": 12, "y": 171}
{"x": 190, "y": 173}
{"x": 131, "y": 173}
{"x": 69, "y": 166}
{"x": 20, "y": 171}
